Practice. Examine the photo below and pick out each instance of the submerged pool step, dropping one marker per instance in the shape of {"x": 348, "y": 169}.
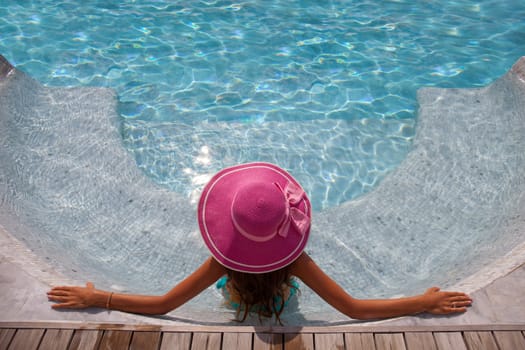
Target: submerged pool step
{"x": 455, "y": 204}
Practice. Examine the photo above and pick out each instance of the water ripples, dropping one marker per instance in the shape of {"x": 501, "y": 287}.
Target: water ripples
{"x": 231, "y": 69}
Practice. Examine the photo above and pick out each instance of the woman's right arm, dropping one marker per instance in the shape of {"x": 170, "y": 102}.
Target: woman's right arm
{"x": 433, "y": 300}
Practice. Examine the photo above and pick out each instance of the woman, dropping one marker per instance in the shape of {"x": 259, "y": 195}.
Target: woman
{"x": 255, "y": 220}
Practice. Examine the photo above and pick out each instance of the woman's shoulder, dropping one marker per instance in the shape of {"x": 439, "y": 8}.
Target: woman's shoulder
{"x": 309, "y": 272}
{"x": 301, "y": 265}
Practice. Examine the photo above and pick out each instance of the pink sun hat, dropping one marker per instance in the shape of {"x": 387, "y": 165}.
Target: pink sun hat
{"x": 254, "y": 217}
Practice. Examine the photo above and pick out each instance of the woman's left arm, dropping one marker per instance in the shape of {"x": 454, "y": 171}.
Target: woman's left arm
{"x": 82, "y": 297}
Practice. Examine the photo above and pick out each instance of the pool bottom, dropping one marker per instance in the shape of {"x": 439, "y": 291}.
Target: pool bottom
{"x": 454, "y": 205}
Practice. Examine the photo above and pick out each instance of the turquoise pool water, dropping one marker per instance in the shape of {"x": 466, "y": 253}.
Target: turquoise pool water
{"x": 324, "y": 89}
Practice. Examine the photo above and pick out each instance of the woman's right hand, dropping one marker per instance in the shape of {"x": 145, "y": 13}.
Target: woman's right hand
{"x": 441, "y": 303}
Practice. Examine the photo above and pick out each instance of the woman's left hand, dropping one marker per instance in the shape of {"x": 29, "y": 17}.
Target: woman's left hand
{"x": 72, "y": 297}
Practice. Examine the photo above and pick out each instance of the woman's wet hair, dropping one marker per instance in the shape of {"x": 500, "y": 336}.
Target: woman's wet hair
{"x": 266, "y": 293}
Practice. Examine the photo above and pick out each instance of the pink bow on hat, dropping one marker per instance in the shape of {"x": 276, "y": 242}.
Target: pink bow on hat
{"x": 300, "y": 221}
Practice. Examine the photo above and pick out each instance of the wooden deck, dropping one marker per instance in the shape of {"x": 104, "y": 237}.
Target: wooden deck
{"x": 56, "y": 336}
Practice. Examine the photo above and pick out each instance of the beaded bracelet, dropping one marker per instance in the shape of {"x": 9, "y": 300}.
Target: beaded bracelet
{"x": 109, "y": 300}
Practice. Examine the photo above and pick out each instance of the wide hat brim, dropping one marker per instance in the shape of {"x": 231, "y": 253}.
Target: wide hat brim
{"x": 227, "y": 245}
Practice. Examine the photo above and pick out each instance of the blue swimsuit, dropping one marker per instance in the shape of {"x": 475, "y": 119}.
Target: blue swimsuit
{"x": 221, "y": 284}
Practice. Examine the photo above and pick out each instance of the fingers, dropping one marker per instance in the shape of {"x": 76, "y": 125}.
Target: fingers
{"x": 448, "y": 293}
{"x": 58, "y": 293}
{"x": 447, "y": 302}
{"x": 66, "y": 302}
{"x": 58, "y": 298}
{"x": 451, "y": 296}
{"x": 451, "y": 310}
{"x": 61, "y": 289}
{"x": 461, "y": 303}
{"x": 458, "y": 304}
{"x": 89, "y": 285}
{"x": 64, "y": 291}
{"x": 460, "y": 300}
{"x": 457, "y": 295}
{"x": 70, "y": 305}
{"x": 61, "y": 302}
{"x": 61, "y": 299}
{"x": 66, "y": 297}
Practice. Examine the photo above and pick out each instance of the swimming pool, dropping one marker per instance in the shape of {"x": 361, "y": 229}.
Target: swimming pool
{"x": 234, "y": 85}
{"x": 261, "y": 71}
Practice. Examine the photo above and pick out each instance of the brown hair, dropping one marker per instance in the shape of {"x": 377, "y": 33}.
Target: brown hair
{"x": 261, "y": 290}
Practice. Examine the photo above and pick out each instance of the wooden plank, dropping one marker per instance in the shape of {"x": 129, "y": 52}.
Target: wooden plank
{"x": 450, "y": 340}
{"x": 390, "y": 341}
{"x": 85, "y": 339}
{"x": 175, "y": 341}
{"x": 56, "y": 339}
{"x": 145, "y": 340}
{"x": 115, "y": 340}
{"x": 139, "y": 327}
{"x": 6, "y": 334}
{"x": 26, "y": 339}
{"x": 206, "y": 341}
{"x": 68, "y": 338}
{"x": 349, "y": 328}
{"x": 329, "y": 341}
{"x": 362, "y": 341}
{"x": 298, "y": 341}
{"x": 420, "y": 341}
{"x": 268, "y": 341}
{"x": 480, "y": 340}
{"x": 510, "y": 340}
{"x": 236, "y": 341}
